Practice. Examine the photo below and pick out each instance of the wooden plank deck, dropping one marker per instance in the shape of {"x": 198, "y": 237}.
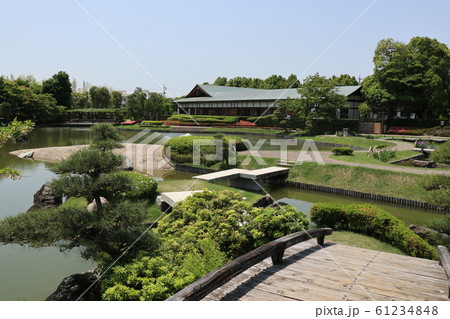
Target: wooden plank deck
{"x": 310, "y": 273}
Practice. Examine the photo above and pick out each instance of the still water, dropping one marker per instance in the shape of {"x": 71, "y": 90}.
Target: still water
{"x": 33, "y": 274}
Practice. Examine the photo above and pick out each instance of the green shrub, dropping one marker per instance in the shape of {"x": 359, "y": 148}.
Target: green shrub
{"x": 442, "y": 154}
{"x": 441, "y": 225}
{"x": 142, "y": 186}
{"x": 342, "y": 151}
{"x": 182, "y": 147}
{"x": 384, "y": 154}
{"x": 418, "y": 123}
{"x": 321, "y": 126}
{"x": 373, "y": 221}
{"x": 264, "y": 121}
{"x": 380, "y": 146}
{"x": 151, "y": 123}
{"x": 199, "y": 235}
{"x": 158, "y": 278}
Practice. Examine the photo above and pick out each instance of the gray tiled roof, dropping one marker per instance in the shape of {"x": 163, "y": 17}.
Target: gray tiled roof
{"x": 229, "y": 93}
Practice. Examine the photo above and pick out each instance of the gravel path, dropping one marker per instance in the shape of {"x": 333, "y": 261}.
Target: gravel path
{"x": 401, "y": 146}
{"x": 144, "y": 158}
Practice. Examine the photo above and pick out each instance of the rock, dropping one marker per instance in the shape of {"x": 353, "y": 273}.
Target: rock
{"x": 264, "y": 201}
{"x": 72, "y": 287}
{"x": 430, "y": 164}
{"x": 26, "y": 154}
{"x": 423, "y": 232}
{"x": 93, "y": 205}
{"x": 44, "y": 197}
{"x": 127, "y": 165}
{"x": 278, "y": 204}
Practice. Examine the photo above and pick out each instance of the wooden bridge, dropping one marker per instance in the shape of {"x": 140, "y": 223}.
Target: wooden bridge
{"x": 324, "y": 271}
{"x": 245, "y": 179}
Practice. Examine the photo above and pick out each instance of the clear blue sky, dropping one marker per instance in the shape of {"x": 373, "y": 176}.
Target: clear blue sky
{"x": 182, "y": 43}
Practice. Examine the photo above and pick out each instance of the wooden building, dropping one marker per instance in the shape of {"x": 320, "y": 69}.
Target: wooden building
{"x": 227, "y": 100}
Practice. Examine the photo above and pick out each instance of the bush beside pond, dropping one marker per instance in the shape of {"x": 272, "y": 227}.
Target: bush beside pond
{"x": 342, "y": 151}
{"x": 182, "y": 147}
{"x": 373, "y": 221}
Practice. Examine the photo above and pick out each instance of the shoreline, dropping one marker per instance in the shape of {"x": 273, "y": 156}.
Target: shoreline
{"x": 143, "y": 158}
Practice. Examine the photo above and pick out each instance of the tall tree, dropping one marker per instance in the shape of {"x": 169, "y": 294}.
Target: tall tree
{"x": 412, "y": 77}
{"x": 60, "y": 88}
{"x": 319, "y": 99}
{"x": 23, "y": 103}
{"x": 222, "y": 81}
{"x": 142, "y": 104}
{"x": 80, "y": 100}
{"x": 100, "y": 97}
{"x": 343, "y": 79}
{"x": 116, "y": 99}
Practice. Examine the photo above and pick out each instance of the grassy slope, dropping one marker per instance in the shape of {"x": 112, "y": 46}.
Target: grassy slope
{"x": 403, "y": 185}
{"x": 361, "y": 241}
{"x": 352, "y": 141}
{"x": 358, "y": 157}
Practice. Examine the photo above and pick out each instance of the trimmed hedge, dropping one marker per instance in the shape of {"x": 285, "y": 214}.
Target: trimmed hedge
{"x": 414, "y": 123}
{"x": 151, "y": 123}
{"x": 373, "y": 221}
{"x": 264, "y": 121}
{"x": 438, "y": 131}
{"x": 182, "y": 148}
{"x": 321, "y": 126}
{"x": 342, "y": 150}
{"x": 203, "y": 119}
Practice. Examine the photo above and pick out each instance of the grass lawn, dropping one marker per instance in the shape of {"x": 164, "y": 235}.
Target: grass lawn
{"x": 362, "y": 241}
{"x": 361, "y": 157}
{"x": 75, "y": 202}
{"x": 351, "y": 140}
{"x": 376, "y": 181}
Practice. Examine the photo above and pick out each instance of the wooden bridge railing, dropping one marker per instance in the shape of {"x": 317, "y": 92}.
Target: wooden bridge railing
{"x": 444, "y": 260}
{"x": 275, "y": 249}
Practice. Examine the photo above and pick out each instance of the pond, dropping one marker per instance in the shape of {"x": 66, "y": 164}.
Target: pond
{"x": 33, "y": 274}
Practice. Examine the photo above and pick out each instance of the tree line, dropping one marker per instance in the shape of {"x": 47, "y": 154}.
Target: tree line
{"x": 24, "y": 98}
{"x": 278, "y": 81}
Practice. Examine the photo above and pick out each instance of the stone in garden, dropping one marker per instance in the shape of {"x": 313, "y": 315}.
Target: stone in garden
{"x": 264, "y": 201}
{"x": 430, "y": 164}
{"x": 26, "y": 154}
{"x": 71, "y": 288}
{"x": 93, "y": 205}
{"x": 423, "y": 232}
{"x": 44, "y": 197}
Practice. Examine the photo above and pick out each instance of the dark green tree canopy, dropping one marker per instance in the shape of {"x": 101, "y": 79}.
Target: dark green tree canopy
{"x": 22, "y": 102}
{"x": 143, "y": 104}
{"x": 60, "y": 88}
{"x": 278, "y": 81}
{"x": 100, "y": 97}
{"x": 105, "y": 137}
{"x": 319, "y": 99}
{"x": 343, "y": 79}
{"x": 413, "y": 77}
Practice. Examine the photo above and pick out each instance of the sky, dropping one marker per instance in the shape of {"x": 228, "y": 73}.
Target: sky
{"x": 178, "y": 44}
